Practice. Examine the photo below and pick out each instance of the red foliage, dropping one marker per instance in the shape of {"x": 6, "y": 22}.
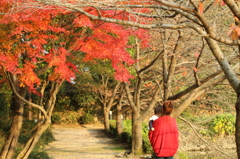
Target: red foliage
{"x": 30, "y": 39}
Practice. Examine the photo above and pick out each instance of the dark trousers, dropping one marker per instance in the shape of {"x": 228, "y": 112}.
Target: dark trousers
{"x": 156, "y": 157}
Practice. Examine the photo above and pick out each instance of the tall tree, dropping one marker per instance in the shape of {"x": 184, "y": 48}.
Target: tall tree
{"x": 205, "y": 18}
{"x": 35, "y": 47}
{"x": 196, "y": 16}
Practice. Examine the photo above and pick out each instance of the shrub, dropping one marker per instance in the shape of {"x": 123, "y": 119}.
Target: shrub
{"x": 147, "y": 148}
{"x": 127, "y": 130}
{"x": 38, "y": 155}
{"x": 26, "y": 132}
{"x": 223, "y": 124}
{"x": 127, "y": 134}
{"x": 4, "y": 113}
{"x": 86, "y": 119}
{"x": 38, "y": 151}
{"x": 66, "y": 117}
{"x": 113, "y": 130}
{"x": 56, "y": 118}
{"x": 5, "y": 126}
{"x": 183, "y": 155}
{"x": 63, "y": 103}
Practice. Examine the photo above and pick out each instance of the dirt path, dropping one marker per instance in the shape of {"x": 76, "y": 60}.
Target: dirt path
{"x": 83, "y": 142}
{"x": 90, "y": 142}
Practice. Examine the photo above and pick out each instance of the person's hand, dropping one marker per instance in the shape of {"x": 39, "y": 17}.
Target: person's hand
{"x": 152, "y": 129}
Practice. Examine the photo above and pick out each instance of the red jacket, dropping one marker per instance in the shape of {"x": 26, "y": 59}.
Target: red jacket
{"x": 164, "y": 138}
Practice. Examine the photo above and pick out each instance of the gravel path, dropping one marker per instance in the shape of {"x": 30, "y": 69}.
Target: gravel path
{"x": 90, "y": 142}
{"x": 83, "y": 142}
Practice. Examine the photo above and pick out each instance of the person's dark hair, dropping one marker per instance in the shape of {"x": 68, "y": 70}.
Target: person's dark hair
{"x": 167, "y": 107}
{"x": 158, "y": 109}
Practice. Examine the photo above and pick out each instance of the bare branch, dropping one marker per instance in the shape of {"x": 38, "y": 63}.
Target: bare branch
{"x": 24, "y": 100}
{"x": 195, "y": 131}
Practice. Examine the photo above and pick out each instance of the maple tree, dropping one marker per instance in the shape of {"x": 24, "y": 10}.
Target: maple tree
{"x": 194, "y": 16}
{"x": 198, "y": 16}
{"x": 35, "y": 47}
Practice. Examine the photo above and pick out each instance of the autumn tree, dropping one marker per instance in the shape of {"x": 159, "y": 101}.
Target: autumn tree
{"x": 197, "y": 18}
{"x": 35, "y": 47}
{"x": 25, "y": 62}
{"x": 208, "y": 19}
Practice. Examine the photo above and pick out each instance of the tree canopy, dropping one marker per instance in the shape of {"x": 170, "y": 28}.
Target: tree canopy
{"x": 35, "y": 40}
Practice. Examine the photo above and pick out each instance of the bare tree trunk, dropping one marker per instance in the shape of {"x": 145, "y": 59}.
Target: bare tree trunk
{"x": 34, "y": 139}
{"x": 44, "y": 85}
{"x": 237, "y": 106}
{"x": 10, "y": 143}
{"x": 136, "y": 133}
{"x": 43, "y": 124}
{"x": 119, "y": 123}
{"x": 30, "y": 109}
{"x": 237, "y": 125}
{"x": 106, "y": 119}
{"x": 30, "y": 113}
{"x": 119, "y": 117}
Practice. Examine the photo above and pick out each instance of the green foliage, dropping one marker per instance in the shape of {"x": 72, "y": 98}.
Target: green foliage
{"x": 223, "y": 124}
{"x": 127, "y": 134}
{"x": 186, "y": 114}
{"x": 147, "y": 148}
{"x": 4, "y": 127}
{"x": 183, "y": 155}
{"x": 26, "y": 132}
{"x": 46, "y": 137}
{"x": 65, "y": 117}
{"x": 70, "y": 117}
{"x": 127, "y": 131}
{"x": 38, "y": 155}
{"x": 63, "y": 103}
{"x": 112, "y": 124}
{"x": 56, "y": 118}
{"x": 38, "y": 151}
{"x": 5, "y": 92}
{"x": 86, "y": 119}
{"x": 4, "y": 113}
{"x": 85, "y": 99}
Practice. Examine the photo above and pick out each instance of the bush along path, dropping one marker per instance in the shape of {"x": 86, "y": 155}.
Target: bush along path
{"x": 84, "y": 142}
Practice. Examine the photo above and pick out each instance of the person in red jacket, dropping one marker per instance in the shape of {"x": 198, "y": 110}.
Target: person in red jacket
{"x": 164, "y": 138}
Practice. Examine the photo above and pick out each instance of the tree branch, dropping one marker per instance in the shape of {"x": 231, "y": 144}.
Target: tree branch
{"x": 24, "y": 100}
{"x": 195, "y": 131}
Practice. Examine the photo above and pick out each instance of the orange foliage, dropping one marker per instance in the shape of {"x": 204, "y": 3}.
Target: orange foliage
{"x": 200, "y": 8}
{"x": 31, "y": 38}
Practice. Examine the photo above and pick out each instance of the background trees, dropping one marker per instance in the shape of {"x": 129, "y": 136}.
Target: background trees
{"x": 35, "y": 53}
{"x": 205, "y": 24}
{"x": 210, "y": 20}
